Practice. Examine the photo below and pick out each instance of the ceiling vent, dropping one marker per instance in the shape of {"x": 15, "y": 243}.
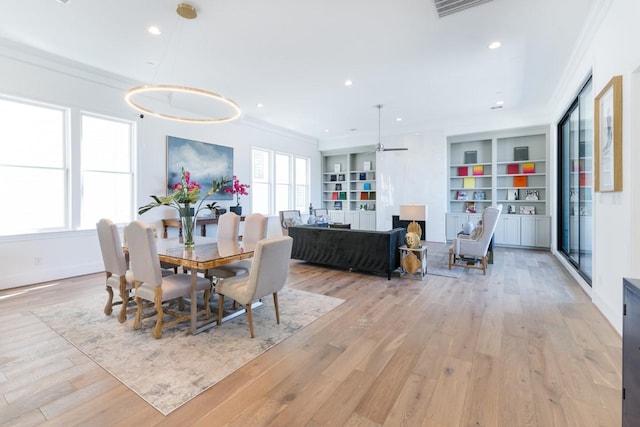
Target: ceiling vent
{"x": 447, "y": 7}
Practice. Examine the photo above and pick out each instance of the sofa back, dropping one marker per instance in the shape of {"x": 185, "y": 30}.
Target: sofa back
{"x": 369, "y": 251}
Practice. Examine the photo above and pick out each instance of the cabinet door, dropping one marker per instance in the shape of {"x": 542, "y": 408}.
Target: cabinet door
{"x": 507, "y": 231}
{"x": 367, "y": 220}
{"x": 336, "y": 216}
{"x": 535, "y": 231}
{"x": 353, "y": 218}
{"x": 454, "y": 224}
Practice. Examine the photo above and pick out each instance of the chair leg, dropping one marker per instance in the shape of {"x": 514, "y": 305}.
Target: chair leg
{"x": 138, "y": 320}
{"x": 157, "y": 331}
{"x": 275, "y": 304}
{"x": 220, "y": 308}
{"x": 108, "y": 307}
{"x": 484, "y": 265}
{"x": 124, "y": 296}
{"x": 451, "y": 259}
{"x": 250, "y": 319}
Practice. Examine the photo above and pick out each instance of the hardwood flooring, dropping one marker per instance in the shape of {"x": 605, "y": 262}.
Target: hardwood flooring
{"x": 522, "y": 346}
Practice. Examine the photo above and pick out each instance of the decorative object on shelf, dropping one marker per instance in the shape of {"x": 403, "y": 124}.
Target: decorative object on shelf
{"x": 511, "y": 209}
{"x": 366, "y": 186}
{"x": 512, "y": 194}
{"x": 528, "y": 168}
{"x": 479, "y": 195}
{"x": 513, "y": 169}
{"x": 527, "y": 210}
{"x": 185, "y": 194}
{"x": 363, "y": 176}
{"x": 470, "y": 157}
{"x": 461, "y": 195}
{"x": 337, "y": 206}
{"x": 338, "y": 187}
{"x": 463, "y": 171}
{"x": 520, "y": 181}
{"x": 531, "y": 195}
{"x": 470, "y": 207}
{"x": 414, "y": 213}
{"x": 337, "y": 167}
{"x": 239, "y": 190}
{"x": 573, "y": 196}
{"x": 138, "y": 97}
{"x": 341, "y": 177}
{"x": 469, "y": 182}
{"x": 333, "y": 177}
{"x": 366, "y": 166}
{"x": 608, "y": 137}
{"x": 478, "y": 170}
{"x": 520, "y": 153}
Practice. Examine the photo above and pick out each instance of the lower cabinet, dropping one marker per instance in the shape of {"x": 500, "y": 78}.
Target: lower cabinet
{"x": 359, "y": 219}
{"x": 512, "y": 230}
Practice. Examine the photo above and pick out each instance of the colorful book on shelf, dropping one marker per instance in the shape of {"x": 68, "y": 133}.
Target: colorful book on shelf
{"x": 513, "y": 169}
{"x": 372, "y": 195}
{"x": 364, "y": 195}
{"x": 469, "y": 182}
{"x": 334, "y": 196}
{"x": 337, "y": 205}
{"x": 342, "y": 195}
{"x": 478, "y": 170}
{"x": 585, "y": 179}
{"x": 463, "y": 171}
{"x": 528, "y": 168}
{"x": 367, "y": 186}
{"x": 520, "y": 181}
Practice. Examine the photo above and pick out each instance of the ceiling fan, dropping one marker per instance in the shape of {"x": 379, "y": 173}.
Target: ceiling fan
{"x": 380, "y": 147}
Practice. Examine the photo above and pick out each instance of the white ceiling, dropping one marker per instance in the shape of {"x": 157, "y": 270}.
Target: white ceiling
{"x": 294, "y": 56}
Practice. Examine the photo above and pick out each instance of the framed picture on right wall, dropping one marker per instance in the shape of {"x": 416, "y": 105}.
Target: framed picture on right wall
{"x": 608, "y": 137}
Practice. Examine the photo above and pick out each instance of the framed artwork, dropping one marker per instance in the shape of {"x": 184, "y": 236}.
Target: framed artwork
{"x": 520, "y": 153}
{"x": 206, "y": 162}
{"x": 608, "y": 137}
{"x": 470, "y": 157}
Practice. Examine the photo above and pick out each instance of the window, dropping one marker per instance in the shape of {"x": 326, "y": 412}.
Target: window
{"x": 284, "y": 186}
{"x": 107, "y": 178}
{"x": 33, "y": 167}
{"x": 575, "y": 180}
{"x": 38, "y": 166}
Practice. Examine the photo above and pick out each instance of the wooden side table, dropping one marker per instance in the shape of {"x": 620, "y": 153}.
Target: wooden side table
{"x": 413, "y": 262}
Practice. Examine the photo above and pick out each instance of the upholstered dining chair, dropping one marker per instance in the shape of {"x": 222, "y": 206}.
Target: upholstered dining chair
{"x": 228, "y": 226}
{"x": 115, "y": 266}
{"x": 268, "y": 275}
{"x": 255, "y": 229}
{"x": 471, "y": 251}
{"x": 150, "y": 285}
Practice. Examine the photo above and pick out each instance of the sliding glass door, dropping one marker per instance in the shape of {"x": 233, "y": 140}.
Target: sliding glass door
{"x": 575, "y": 180}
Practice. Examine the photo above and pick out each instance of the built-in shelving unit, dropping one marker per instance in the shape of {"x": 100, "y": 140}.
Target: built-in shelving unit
{"x": 508, "y": 168}
{"x": 349, "y": 187}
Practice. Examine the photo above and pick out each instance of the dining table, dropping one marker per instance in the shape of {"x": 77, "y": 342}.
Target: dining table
{"x": 207, "y": 253}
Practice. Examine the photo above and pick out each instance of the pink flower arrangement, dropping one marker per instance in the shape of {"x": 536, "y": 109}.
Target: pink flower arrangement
{"x": 238, "y": 189}
{"x": 186, "y": 191}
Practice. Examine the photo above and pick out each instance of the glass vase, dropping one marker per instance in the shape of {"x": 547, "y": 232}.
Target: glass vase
{"x": 188, "y": 225}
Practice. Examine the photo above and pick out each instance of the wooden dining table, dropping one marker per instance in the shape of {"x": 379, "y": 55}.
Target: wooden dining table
{"x": 207, "y": 253}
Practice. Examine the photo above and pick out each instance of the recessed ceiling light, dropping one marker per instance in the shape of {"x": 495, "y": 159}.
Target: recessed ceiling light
{"x": 326, "y": 131}
{"x": 499, "y": 103}
{"x": 348, "y": 82}
{"x": 259, "y": 105}
{"x": 63, "y": 1}
{"x": 495, "y": 45}
{"x": 154, "y": 30}
{"x": 398, "y": 119}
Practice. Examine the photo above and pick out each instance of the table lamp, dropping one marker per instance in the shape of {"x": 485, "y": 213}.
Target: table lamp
{"x": 413, "y": 213}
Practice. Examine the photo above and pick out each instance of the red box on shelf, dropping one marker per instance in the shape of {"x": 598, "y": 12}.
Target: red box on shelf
{"x": 463, "y": 171}
{"x": 513, "y": 169}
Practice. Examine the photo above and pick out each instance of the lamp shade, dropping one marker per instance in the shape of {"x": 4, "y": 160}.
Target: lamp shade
{"x": 413, "y": 212}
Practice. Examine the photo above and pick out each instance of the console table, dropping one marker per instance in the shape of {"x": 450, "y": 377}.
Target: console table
{"x": 175, "y": 222}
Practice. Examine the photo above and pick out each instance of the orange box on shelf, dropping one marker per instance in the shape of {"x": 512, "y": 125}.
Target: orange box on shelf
{"x": 528, "y": 168}
{"x": 519, "y": 181}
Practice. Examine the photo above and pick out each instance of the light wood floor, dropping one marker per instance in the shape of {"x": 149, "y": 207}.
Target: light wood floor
{"x": 522, "y": 346}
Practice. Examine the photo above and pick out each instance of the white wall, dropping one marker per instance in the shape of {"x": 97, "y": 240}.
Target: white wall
{"x": 50, "y": 256}
{"x": 612, "y": 49}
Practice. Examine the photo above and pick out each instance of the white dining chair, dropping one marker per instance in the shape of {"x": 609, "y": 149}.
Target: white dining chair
{"x": 228, "y": 226}
{"x": 115, "y": 266}
{"x": 255, "y": 229}
{"x": 268, "y": 275}
{"x": 150, "y": 285}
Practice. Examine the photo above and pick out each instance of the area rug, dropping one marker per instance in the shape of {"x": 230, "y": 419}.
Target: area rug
{"x": 438, "y": 261}
{"x": 187, "y": 364}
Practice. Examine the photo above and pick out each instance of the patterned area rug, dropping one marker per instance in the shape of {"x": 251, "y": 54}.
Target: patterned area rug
{"x": 438, "y": 261}
{"x": 188, "y": 364}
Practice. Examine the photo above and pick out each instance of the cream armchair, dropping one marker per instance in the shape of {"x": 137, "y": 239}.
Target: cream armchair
{"x": 470, "y": 251}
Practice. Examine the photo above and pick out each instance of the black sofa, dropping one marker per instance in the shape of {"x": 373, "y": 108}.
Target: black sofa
{"x": 360, "y": 250}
